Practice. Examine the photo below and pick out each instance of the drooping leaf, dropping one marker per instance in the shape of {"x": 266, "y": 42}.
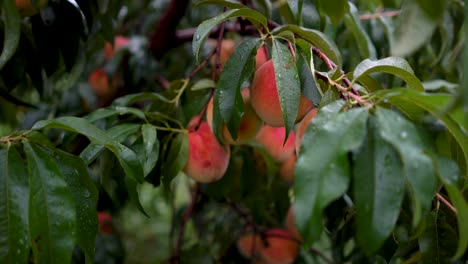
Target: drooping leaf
{"x": 455, "y": 121}
{"x": 228, "y": 105}
{"x": 85, "y": 195}
{"x": 413, "y": 31}
{"x": 204, "y": 29}
{"x": 151, "y": 146}
{"x": 226, "y": 3}
{"x": 307, "y": 79}
{"x": 176, "y": 158}
{"x": 364, "y": 43}
{"x": 285, "y": 10}
{"x": 317, "y": 38}
{"x": 418, "y": 168}
{"x": 12, "y": 31}
{"x": 119, "y": 133}
{"x": 203, "y": 84}
{"x": 334, "y": 9}
{"x": 436, "y": 243}
{"x": 133, "y": 98}
{"x": 378, "y": 189}
{"x": 322, "y": 169}
{"x": 14, "y": 234}
{"x": 52, "y": 211}
{"x": 287, "y": 83}
{"x": 449, "y": 174}
{"x": 127, "y": 158}
{"x": 132, "y": 189}
{"x": 392, "y": 65}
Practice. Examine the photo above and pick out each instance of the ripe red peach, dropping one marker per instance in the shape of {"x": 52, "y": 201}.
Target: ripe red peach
{"x": 286, "y": 170}
{"x": 265, "y": 100}
{"x": 302, "y": 127}
{"x": 249, "y": 124}
{"x": 99, "y": 83}
{"x": 208, "y": 160}
{"x": 281, "y": 247}
{"x": 261, "y": 57}
{"x": 272, "y": 138}
{"x": 119, "y": 42}
{"x": 249, "y": 245}
{"x": 290, "y": 224}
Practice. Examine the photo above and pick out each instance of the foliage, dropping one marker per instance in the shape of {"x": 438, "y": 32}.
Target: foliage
{"x": 381, "y": 172}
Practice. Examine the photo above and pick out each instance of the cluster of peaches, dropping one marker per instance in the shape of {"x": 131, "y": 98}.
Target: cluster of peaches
{"x": 261, "y": 124}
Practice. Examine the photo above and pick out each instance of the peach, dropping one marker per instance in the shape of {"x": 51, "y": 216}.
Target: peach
{"x": 208, "y": 160}
{"x": 290, "y": 224}
{"x": 286, "y": 170}
{"x": 280, "y": 248}
{"x": 302, "y": 127}
{"x": 227, "y": 48}
{"x": 265, "y": 99}
{"x": 261, "y": 57}
{"x": 26, "y": 8}
{"x": 249, "y": 124}
{"x": 249, "y": 245}
{"x": 119, "y": 42}
{"x": 105, "y": 223}
{"x": 99, "y": 82}
{"x": 272, "y": 138}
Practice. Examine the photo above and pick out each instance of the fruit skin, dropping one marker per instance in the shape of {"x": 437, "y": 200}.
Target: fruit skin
{"x": 290, "y": 224}
{"x": 100, "y": 83}
{"x": 208, "y": 160}
{"x": 119, "y": 42}
{"x": 261, "y": 57}
{"x": 281, "y": 247}
{"x": 265, "y": 100}
{"x": 286, "y": 170}
{"x": 302, "y": 127}
{"x": 26, "y": 8}
{"x": 249, "y": 124}
{"x": 249, "y": 245}
{"x": 105, "y": 223}
{"x": 272, "y": 138}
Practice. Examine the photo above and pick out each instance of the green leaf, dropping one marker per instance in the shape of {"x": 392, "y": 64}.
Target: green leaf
{"x": 176, "y": 158}
{"x": 433, "y": 8}
{"x": 334, "y": 9}
{"x": 437, "y": 243}
{"x": 203, "y": 84}
{"x": 12, "y": 29}
{"x": 85, "y": 195}
{"x": 151, "y": 146}
{"x": 418, "y": 167}
{"x": 392, "y": 65}
{"x": 226, "y": 3}
{"x": 119, "y": 133}
{"x": 52, "y": 215}
{"x": 378, "y": 189}
{"x": 287, "y": 83}
{"x": 285, "y": 10}
{"x": 434, "y": 104}
{"x": 322, "y": 169}
{"x": 307, "y": 80}
{"x": 363, "y": 41}
{"x": 227, "y": 102}
{"x": 204, "y": 29}
{"x": 414, "y": 29}
{"x": 132, "y": 189}
{"x": 449, "y": 174}
{"x": 14, "y": 196}
{"x": 127, "y": 158}
{"x": 133, "y": 98}
{"x": 315, "y": 37}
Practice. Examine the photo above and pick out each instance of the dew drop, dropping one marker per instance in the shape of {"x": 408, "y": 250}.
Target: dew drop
{"x": 385, "y": 101}
{"x": 197, "y": 37}
{"x": 86, "y": 194}
{"x": 403, "y": 134}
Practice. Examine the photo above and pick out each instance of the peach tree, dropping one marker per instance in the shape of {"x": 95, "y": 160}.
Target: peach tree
{"x": 222, "y": 131}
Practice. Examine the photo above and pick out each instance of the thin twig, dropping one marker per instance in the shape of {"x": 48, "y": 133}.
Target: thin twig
{"x": 201, "y": 65}
{"x": 380, "y": 14}
{"x": 343, "y": 89}
{"x": 447, "y": 203}
{"x": 218, "y": 53}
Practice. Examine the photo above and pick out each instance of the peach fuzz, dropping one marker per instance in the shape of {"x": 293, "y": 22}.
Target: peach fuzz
{"x": 207, "y": 160}
{"x": 265, "y": 99}
{"x": 286, "y": 170}
{"x": 302, "y": 127}
{"x": 272, "y": 138}
{"x": 249, "y": 124}
{"x": 281, "y": 247}
{"x": 119, "y": 42}
{"x": 290, "y": 223}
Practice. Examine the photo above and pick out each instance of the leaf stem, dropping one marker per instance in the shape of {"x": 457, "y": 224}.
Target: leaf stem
{"x": 447, "y": 203}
